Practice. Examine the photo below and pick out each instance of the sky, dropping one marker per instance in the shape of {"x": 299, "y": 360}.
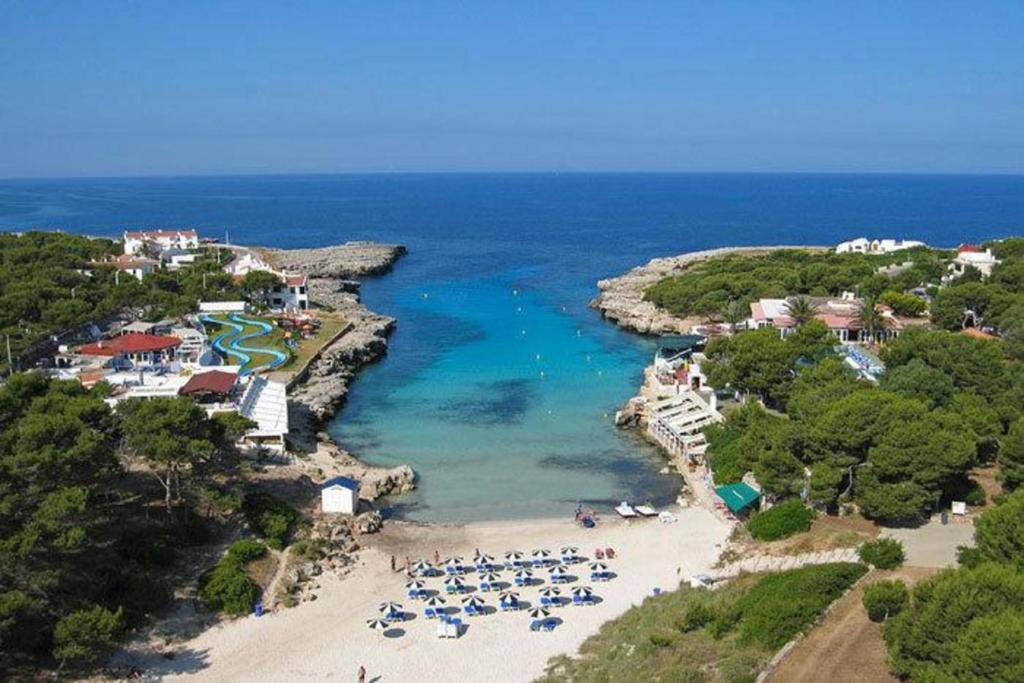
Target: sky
{"x": 151, "y": 88}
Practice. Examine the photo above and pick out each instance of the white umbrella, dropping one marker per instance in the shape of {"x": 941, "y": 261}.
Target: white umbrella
{"x": 422, "y": 566}
{"x": 582, "y": 590}
{"x": 489, "y": 576}
{"x": 484, "y": 557}
{"x": 388, "y": 607}
{"x": 453, "y": 562}
{"x": 513, "y": 555}
{"x": 558, "y": 571}
{"x": 454, "y": 581}
{"x": 472, "y": 600}
{"x": 377, "y": 624}
{"x": 569, "y": 550}
{"x": 538, "y": 612}
{"x": 598, "y": 566}
{"x": 524, "y": 574}
{"x": 415, "y": 583}
{"x": 541, "y": 552}
{"x": 505, "y": 595}
{"x": 435, "y": 601}
{"x": 550, "y": 590}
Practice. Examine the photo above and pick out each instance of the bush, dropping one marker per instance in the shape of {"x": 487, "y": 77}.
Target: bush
{"x": 697, "y": 616}
{"x": 227, "y": 588}
{"x": 781, "y": 521}
{"x": 885, "y": 599}
{"x": 661, "y": 639}
{"x": 781, "y": 605}
{"x": 882, "y": 553}
{"x": 86, "y": 636}
{"x": 271, "y": 518}
{"x": 247, "y": 550}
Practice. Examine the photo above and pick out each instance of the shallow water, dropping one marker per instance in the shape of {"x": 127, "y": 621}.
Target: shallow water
{"x": 460, "y": 396}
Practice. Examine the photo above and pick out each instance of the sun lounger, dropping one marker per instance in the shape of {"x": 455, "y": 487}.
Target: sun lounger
{"x": 625, "y": 509}
{"x": 577, "y": 600}
{"x": 550, "y": 624}
{"x": 470, "y": 610}
{"x": 646, "y": 510}
{"x": 414, "y": 594}
{"x": 535, "y": 625}
{"x": 429, "y": 613}
{"x": 545, "y": 601}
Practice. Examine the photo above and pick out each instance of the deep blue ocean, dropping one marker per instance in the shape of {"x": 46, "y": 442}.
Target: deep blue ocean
{"x": 500, "y": 382}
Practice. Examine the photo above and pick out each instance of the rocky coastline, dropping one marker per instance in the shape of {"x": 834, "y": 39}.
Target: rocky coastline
{"x": 319, "y": 389}
{"x": 621, "y": 299}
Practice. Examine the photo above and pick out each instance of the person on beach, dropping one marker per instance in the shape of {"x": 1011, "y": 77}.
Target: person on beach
{"x": 437, "y": 557}
{"x": 392, "y": 563}
{"x": 362, "y": 674}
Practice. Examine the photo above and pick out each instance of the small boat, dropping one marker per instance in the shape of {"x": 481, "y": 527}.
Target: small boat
{"x": 646, "y": 511}
{"x": 625, "y": 509}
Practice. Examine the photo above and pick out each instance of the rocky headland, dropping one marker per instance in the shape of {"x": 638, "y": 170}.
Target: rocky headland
{"x": 621, "y": 299}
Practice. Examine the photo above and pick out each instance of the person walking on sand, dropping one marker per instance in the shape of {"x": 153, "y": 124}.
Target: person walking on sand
{"x": 437, "y": 557}
{"x": 392, "y": 563}
{"x": 362, "y": 674}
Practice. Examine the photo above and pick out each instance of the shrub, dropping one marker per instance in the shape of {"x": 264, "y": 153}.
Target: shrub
{"x": 86, "y": 636}
{"x": 781, "y": 521}
{"x": 661, "y": 639}
{"x": 885, "y": 599}
{"x": 697, "y": 616}
{"x": 228, "y": 588}
{"x": 779, "y": 606}
{"x": 247, "y": 550}
{"x": 882, "y": 553}
{"x": 271, "y": 518}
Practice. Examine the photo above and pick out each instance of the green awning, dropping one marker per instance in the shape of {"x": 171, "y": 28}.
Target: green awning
{"x": 737, "y": 496}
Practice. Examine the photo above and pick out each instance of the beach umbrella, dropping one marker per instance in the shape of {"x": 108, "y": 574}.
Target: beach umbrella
{"x": 435, "y": 601}
{"x": 550, "y": 590}
{"x": 524, "y": 574}
{"x": 569, "y": 550}
{"x": 513, "y": 555}
{"x": 415, "y": 583}
{"x": 453, "y": 562}
{"x": 582, "y": 590}
{"x": 454, "y": 581}
{"x": 472, "y": 600}
{"x": 389, "y": 607}
{"x": 558, "y": 571}
{"x": 378, "y": 625}
{"x": 484, "y": 557}
{"x": 598, "y": 566}
{"x": 422, "y": 566}
{"x": 541, "y": 552}
{"x": 505, "y": 595}
{"x": 538, "y": 612}
{"x": 489, "y": 576}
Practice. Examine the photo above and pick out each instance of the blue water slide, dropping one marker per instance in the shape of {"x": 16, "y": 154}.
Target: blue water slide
{"x": 230, "y": 343}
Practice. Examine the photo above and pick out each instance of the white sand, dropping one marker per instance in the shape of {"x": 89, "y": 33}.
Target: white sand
{"x": 328, "y": 638}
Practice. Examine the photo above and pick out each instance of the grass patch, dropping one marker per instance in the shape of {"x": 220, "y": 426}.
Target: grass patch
{"x": 781, "y": 521}
{"x": 698, "y": 635}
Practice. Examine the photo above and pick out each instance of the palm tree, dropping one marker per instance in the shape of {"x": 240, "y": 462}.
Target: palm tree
{"x": 734, "y": 313}
{"x": 870, "y": 318}
{"x": 801, "y": 309}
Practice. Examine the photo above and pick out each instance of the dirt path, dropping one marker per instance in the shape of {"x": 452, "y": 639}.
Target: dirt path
{"x": 270, "y": 594}
{"x": 846, "y": 646}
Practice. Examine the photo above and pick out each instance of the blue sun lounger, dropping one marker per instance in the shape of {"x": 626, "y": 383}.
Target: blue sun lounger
{"x": 535, "y": 625}
{"x": 550, "y": 624}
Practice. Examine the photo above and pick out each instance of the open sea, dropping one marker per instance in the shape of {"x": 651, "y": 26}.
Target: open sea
{"x": 500, "y": 384}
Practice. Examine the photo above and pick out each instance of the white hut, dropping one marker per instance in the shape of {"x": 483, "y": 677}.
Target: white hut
{"x": 339, "y": 494}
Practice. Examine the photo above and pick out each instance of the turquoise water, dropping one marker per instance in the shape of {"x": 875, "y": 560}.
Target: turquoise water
{"x": 460, "y": 396}
{"x": 514, "y": 420}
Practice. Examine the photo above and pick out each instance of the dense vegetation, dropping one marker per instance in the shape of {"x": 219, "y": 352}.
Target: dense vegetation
{"x": 885, "y": 599}
{"x": 882, "y": 553}
{"x": 781, "y": 521}
{"x": 709, "y": 287}
{"x": 227, "y": 587}
{"x": 86, "y": 542}
{"x": 947, "y": 403}
{"x": 697, "y": 635}
{"x": 968, "y": 624}
{"x": 49, "y": 283}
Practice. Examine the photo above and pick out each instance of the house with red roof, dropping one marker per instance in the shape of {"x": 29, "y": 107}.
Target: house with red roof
{"x": 291, "y": 295}
{"x": 972, "y": 256}
{"x": 133, "y": 350}
{"x": 136, "y": 241}
{"x": 840, "y": 315}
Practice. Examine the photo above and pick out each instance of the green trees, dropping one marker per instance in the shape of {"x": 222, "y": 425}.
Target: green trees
{"x": 758, "y": 362}
{"x": 999, "y": 534}
{"x": 801, "y": 309}
{"x": 885, "y": 599}
{"x": 882, "y": 553}
{"x": 870, "y": 317}
{"x": 257, "y": 285}
{"x": 86, "y": 636}
{"x": 1011, "y": 456}
{"x": 781, "y": 521}
{"x": 903, "y": 304}
{"x": 917, "y": 380}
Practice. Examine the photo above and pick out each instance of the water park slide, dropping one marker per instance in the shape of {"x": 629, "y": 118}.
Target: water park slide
{"x": 231, "y": 342}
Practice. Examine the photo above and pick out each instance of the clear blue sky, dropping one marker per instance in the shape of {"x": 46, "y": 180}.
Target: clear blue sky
{"x": 118, "y": 88}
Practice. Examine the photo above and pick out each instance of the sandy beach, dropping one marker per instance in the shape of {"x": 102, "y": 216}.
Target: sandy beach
{"x": 328, "y": 638}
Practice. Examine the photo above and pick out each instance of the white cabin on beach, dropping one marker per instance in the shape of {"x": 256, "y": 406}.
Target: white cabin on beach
{"x": 339, "y": 494}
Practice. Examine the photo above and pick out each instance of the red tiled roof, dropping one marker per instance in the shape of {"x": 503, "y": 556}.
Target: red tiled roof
{"x": 839, "y": 322}
{"x": 969, "y": 248}
{"x": 214, "y": 381}
{"x": 295, "y": 280}
{"x": 133, "y": 342}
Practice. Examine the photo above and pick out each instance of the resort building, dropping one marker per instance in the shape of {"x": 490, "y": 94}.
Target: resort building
{"x": 174, "y": 259}
{"x": 136, "y": 266}
{"x": 291, "y": 295}
{"x": 863, "y": 245}
{"x": 265, "y": 403}
{"x": 193, "y": 343}
{"x": 340, "y": 495}
{"x": 133, "y": 350}
{"x": 136, "y": 242}
{"x": 840, "y": 315}
{"x": 972, "y": 256}
{"x": 246, "y": 262}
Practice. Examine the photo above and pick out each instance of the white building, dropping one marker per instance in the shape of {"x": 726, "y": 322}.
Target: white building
{"x": 265, "y": 403}
{"x": 174, "y": 259}
{"x": 135, "y": 241}
{"x": 863, "y": 245}
{"x": 136, "y": 266}
{"x": 971, "y": 256}
{"x": 291, "y": 295}
{"x": 339, "y": 494}
{"x": 247, "y": 262}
